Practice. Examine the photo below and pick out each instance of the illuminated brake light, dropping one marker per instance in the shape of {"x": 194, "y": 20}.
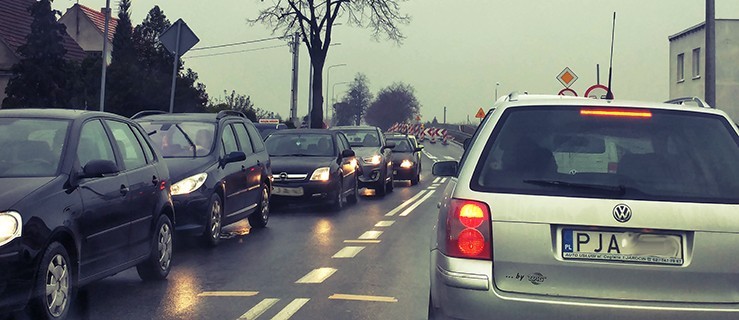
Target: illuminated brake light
{"x": 623, "y": 113}
{"x": 467, "y": 232}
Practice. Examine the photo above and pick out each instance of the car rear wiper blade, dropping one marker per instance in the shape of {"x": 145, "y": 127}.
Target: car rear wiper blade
{"x": 620, "y": 190}
{"x": 291, "y": 155}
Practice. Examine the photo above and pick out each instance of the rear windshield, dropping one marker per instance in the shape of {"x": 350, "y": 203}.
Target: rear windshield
{"x": 31, "y": 147}
{"x": 185, "y": 139}
{"x": 656, "y": 155}
{"x": 362, "y": 138}
{"x": 401, "y": 145}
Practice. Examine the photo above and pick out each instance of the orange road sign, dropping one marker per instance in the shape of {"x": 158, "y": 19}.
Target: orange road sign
{"x": 480, "y": 114}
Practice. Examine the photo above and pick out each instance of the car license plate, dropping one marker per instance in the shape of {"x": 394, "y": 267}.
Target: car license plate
{"x": 290, "y": 192}
{"x": 622, "y": 246}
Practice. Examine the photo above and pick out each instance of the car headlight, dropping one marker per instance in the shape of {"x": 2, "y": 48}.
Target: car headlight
{"x": 10, "y": 226}
{"x": 321, "y": 174}
{"x": 188, "y": 184}
{"x": 376, "y": 159}
{"x": 406, "y": 164}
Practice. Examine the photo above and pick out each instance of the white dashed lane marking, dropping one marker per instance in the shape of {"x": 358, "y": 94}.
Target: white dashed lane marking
{"x": 291, "y": 309}
{"x": 361, "y": 241}
{"x": 259, "y": 309}
{"x": 449, "y": 158}
{"x": 228, "y": 293}
{"x": 384, "y": 223}
{"x": 406, "y": 203}
{"x": 356, "y": 297}
{"x": 437, "y": 180}
{"x": 415, "y": 205}
{"x": 348, "y": 252}
{"x": 370, "y": 235}
{"x": 317, "y": 275}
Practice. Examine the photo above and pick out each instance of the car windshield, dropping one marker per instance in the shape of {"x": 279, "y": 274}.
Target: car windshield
{"x": 660, "y": 155}
{"x": 304, "y": 144}
{"x": 31, "y": 147}
{"x": 401, "y": 145}
{"x": 362, "y": 138}
{"x": 181, "y": 139}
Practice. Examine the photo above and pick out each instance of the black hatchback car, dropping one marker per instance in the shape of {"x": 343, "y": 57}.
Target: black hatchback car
{"x": 313, "y": 165}
{"x": 220, "y": 169}
{"x": 375, "y": 157}
{"x": 83, "y": 196}
{"x": 406, "y": 158}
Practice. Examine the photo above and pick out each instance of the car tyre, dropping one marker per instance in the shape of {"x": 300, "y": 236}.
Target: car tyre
{"x": 259, "y": 218}
{"x": 391, "y": 183}
{"x": 54, "y": 284}
{"x": 381, "y": 187}
{"x": 212, "y": 234}
{"x": 354, "y": 198}
{"x": 159, "y": 262}
{"x": 416, "y": 179}
{"x": 338, "y": 202}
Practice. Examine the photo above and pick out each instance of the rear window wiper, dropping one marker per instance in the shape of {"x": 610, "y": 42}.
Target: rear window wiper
{"x": 619, "y": 190}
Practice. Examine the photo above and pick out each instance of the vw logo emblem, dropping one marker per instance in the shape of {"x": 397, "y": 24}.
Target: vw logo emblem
{"x": 622, "y": 213}
{"x": 283, "y": 176}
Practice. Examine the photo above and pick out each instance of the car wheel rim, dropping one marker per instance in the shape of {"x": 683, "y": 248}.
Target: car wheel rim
{"x": 265, "y": 205}
{"x": 57, "y": 285}
{"x": 165, "y": 246}
{"x": 215, "y": 220}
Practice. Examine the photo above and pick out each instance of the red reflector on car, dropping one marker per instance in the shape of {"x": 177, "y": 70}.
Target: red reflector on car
{"x": 623, "y": 113}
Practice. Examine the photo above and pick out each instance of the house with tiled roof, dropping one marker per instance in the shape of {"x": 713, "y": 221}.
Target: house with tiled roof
{"x": 86, "y": 26}
{"x": 15, "y": 25}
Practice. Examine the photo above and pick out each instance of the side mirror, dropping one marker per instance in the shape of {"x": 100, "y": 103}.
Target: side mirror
{"x": 347, "y": 153}
{"x": 235, "y": 156}
{"x": 445, "y": 169}
{"x": 419, "y": 149}
{"x": 99, "y": 168}
{"x": 466, "y": 143}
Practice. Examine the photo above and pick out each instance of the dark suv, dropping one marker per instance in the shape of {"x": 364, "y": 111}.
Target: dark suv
{"x": 220, "y": 169}
{"x": 83, "y": 196}
{"x": 374, "y": 157}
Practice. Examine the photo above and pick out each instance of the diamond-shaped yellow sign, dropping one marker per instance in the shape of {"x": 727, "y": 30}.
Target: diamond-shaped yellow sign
{"x": 567, "y": 77}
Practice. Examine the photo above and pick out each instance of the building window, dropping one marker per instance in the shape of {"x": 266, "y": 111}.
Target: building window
{"x": 681, "y": 67}
{"x": 696, "y": 63}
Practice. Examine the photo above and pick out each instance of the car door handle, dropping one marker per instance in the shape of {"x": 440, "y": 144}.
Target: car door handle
{"x": 124, "y": 190}
{"x": 243, "y": 168}
{"x": 154, "y": 180}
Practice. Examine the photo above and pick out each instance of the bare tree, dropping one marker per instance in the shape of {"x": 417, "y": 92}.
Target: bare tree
{"x": 314, "y": 20}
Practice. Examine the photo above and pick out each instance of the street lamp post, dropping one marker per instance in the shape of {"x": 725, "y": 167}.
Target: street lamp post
{"x": 496, "y": 90}
{"x": 328, "y": 81}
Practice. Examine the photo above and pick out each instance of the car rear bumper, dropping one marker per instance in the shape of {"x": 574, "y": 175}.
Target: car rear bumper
{"x": 405, "y": 173}
{"x": 371, "y": 176}
{"x": 464, "y": 289}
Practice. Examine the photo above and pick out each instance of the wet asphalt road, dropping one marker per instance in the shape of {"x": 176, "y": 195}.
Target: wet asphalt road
{"x": 309, "y": 263}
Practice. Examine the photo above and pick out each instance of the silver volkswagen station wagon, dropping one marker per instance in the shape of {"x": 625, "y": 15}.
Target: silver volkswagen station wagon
{"x": 576, "y": 208}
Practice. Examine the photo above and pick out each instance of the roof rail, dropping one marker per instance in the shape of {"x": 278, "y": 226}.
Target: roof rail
{"x": 513, "y": 96}
{"x": 225, "y": 113}
{"x": 146, "y": 113}
{"x": 683, "y": 100}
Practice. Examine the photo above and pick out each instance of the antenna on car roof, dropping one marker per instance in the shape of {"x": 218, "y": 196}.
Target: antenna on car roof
{"x": 609, "y": 94}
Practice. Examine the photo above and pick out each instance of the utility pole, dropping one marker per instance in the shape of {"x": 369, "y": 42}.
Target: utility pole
{"x": 711, "y": 52}
{"x": 444, "y": 114}
{"x": 105, "y": 55}
{"x": 295, "y": 49}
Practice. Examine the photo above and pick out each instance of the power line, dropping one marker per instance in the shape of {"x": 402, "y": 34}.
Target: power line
{"x": 233, "y": 52}
{"x": 235, "y": 44}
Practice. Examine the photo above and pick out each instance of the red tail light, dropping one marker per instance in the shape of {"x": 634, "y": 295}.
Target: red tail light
{"x": 612, "y": 112}
{"x": 468, "y": 230}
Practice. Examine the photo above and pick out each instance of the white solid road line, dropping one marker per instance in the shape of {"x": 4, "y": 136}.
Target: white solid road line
{"x": 443, "y": 180}
{"x": 357, "y": 297}
{"x": 260, "y": 308}
{"x": 370, "y": 235}
{"x": 428, "y": 155}
{"x": 317, "y": 275}
{"x": 384, "y": 223}
{"x": 415, "y": 205}
{"x": 348, "y": 252}
{"x": 228, "y": 293}
{"x": 436, "y": 180}
{"x": 404, "y": 204}
{"x": 291, "y": 309}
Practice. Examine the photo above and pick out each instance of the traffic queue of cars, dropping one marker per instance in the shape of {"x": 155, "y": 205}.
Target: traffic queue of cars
{"x": 94, "y": 193}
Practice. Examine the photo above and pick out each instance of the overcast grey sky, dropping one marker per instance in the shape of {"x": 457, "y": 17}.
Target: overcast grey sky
{"x": 455, "y": 51}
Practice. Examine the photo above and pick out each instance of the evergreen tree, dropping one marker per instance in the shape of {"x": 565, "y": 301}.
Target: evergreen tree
{"x": 124, "y": 83}
{"x": 155, "y": 60}
{"x": 41, "y": 77}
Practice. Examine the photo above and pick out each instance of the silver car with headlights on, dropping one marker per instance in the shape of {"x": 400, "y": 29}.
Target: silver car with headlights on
{"x": 575, "y": 208}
